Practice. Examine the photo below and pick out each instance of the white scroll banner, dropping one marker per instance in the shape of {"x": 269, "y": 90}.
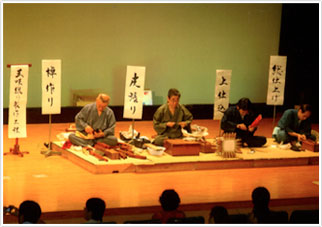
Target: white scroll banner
{"x": 276, "y": 80}
{"x": 222, "y": 90}
{"x": 51, "y": 86}
{"x": 18, "y": 101}
{"x": 134, "y": 92}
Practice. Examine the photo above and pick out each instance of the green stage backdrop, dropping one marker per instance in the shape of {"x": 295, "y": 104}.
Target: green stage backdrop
{"x": 181, "y": 46}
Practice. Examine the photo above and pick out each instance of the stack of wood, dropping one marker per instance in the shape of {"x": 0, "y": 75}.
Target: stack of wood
{"x": 120, "y": 151}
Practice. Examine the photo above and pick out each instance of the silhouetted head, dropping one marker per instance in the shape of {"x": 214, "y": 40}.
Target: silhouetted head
{"x": 29, "y": 211}
{"x": 95, "y": 208}
{"x": 260, "y": 197}
{"x": 218, "y": 214}
{"x": 169, "y": 200}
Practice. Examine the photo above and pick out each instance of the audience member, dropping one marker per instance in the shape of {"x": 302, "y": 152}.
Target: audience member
{"x": 29, "y": 213}
{"x": 261, "y": 211}
{"x": 94, "y": 211}
{"x": 218, "y": 215}
{"x": 170, "y": 201}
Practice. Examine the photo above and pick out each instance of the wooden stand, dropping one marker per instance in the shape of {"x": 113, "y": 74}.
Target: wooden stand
{"x": 16, "y": 150}
{"x": 50, "y": 152}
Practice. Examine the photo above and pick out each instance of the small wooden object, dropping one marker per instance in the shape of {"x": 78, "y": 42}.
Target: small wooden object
{"x": 179, "y": 147}
{"x": 229, "y": 145}
{"x": 310, "y": 145}
{"x": 207, "y": 147}
{"x": 110, "y": 153}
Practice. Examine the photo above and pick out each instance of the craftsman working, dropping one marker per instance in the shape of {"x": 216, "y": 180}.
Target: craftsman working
{"x": 294, "y": 126}
{"x": 238, "y": 119}
{"x": 170, "y": 118}
{"x": 95, "y": 123}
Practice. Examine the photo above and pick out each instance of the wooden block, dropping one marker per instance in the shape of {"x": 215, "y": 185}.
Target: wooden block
{"x": 310, "y": 145}
{"x": 110, "y": 153}
{"x": 179, "y": 147}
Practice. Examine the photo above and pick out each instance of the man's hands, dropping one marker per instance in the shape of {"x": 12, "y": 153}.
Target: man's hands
{"x": 244, "y": 127}
{"x": 301, "y": 137}
{"x": 91, "y": 131}
{"x": 99, "y": 134}
{"x": 171, "y": 124}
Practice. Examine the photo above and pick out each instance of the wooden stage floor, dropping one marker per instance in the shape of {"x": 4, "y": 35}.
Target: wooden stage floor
{"x": 58, "y": 184}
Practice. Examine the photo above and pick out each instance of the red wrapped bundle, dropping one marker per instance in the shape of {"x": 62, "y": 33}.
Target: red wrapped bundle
{"x": 256, "y": 121}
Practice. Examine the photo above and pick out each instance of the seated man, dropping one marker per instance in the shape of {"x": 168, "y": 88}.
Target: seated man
{"x": 294, "y": 126}
{"x": 238, "y": 119}
{"x": 170, "y": 118}
{"x": 94, "y": 211}
{"x": 95, "y": 123}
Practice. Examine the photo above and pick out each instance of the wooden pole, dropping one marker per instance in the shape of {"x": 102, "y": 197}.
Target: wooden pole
{"x": 274, "y": 115}
{"x": 50, "y": 152}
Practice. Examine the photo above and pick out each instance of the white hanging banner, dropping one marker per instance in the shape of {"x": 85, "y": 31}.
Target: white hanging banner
{"x": 18, "y": 101}
{"x": 51, "y": 86}
{"x": 134, "y": 92}
{"x": 276, "y": 80}
{"x": 222, "y": 90}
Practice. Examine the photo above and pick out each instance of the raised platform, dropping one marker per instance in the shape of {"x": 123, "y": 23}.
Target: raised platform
{"x": 268, "y": 156}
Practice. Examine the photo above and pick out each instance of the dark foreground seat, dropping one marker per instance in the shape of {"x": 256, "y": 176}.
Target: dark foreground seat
{"x": 305, "y": 217}
{"x": 149, "y": 221}
{"x": 187, "y": 220}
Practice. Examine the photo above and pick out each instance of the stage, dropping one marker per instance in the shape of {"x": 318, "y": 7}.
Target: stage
{"x": 62, "y": 187}
{"x": 268, "y": 156}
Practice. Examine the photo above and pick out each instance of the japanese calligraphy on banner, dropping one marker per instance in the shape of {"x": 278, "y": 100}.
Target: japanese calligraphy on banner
{"x": 276, "y": 80}
{"x": 51, "y": 86}
{"x": 18, "y": 101}
{"x": 222, "y": 90}
{"x": 134, "y": 92}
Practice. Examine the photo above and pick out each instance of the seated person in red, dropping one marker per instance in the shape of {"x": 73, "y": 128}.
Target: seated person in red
{"x": 238, "y": 119}
{"x": 170, "y": 202}
{"x": 170, "y": 118}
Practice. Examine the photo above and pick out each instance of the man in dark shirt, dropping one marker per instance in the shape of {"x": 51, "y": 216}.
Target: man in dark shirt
{"x": 238, "y": 119}
{"x": 294, "y": 126}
